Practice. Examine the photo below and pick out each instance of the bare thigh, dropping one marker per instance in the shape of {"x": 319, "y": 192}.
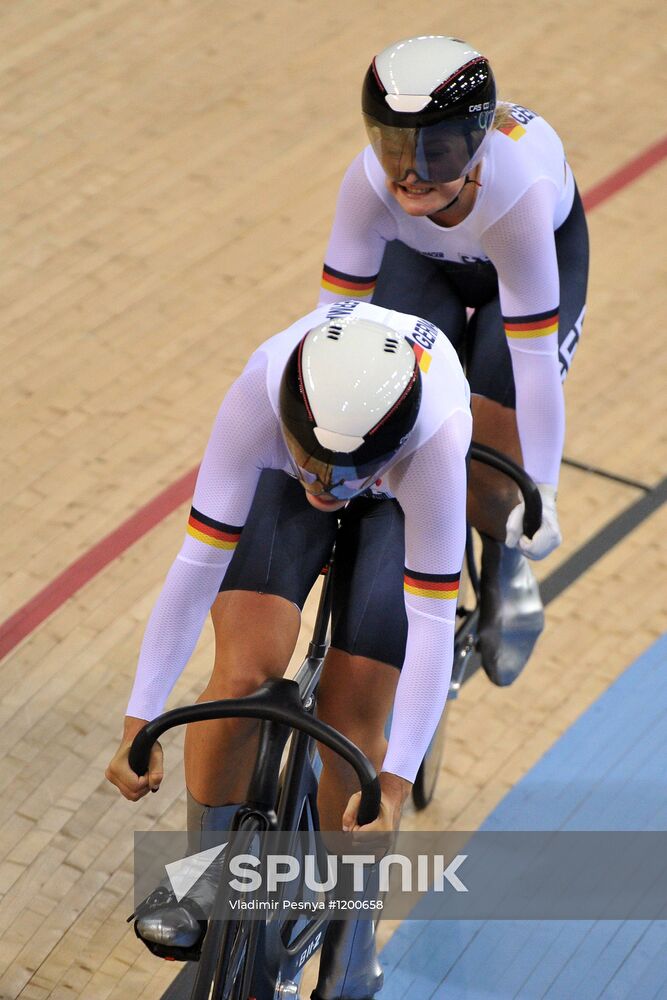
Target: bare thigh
{"x": 255, "y": 635}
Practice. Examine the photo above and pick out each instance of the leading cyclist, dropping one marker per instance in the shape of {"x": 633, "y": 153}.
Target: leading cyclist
{"x": 355, "y": 413}
{"x": 462, "y": 202}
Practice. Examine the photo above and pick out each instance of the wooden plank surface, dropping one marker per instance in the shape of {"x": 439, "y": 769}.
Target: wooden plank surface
{"x": 168, "y": 175}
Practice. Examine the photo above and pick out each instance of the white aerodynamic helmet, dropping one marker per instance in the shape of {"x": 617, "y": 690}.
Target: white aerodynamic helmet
{"x": 428, "y": 104}
{"x": 349, "y": 397}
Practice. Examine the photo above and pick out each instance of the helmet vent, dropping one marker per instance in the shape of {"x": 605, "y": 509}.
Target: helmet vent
{"x": 391, "y": 345}
{"x": 334, "y": 331}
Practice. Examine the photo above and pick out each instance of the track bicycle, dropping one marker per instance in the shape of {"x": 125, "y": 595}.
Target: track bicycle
{"x": 466, "y": 649}
{"x": 251, "y": 960}
{"x": 243, "y": 960}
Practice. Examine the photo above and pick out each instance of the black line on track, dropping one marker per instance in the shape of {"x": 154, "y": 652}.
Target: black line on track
{"x": 602, "y": 542}
{"x": 604, "y": 474}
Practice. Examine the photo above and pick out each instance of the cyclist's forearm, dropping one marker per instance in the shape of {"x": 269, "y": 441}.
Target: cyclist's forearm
{"x": 540, "y": 411}
{"x": 422, "y": 691}
{"x": 131, "y": 726}
{"x": 394, "y": 787}
{"x": 435, "y": 534}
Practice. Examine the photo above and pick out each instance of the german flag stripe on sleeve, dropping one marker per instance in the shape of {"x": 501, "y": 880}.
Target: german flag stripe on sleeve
{"x": 347, "y": 284}
{"x": 215, "y": 533}
{"x": 428, "y": 585}
{"x": 525, "y": 327}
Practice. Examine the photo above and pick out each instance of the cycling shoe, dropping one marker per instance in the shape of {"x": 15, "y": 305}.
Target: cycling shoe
{"x": 175, "y": 929}
{"x": 169, "y": 928}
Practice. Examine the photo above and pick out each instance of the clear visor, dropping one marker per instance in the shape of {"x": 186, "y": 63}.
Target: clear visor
{"x": 439, "y": 153}
{"x": 339, "y": 481}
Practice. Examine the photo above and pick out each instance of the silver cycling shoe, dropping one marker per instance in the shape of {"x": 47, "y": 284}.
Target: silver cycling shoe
{"x": 172, "y": 928}
{"x": 511, "y": 616}
{"x": 175, "y": 926}
{"x": 175, "y": 929}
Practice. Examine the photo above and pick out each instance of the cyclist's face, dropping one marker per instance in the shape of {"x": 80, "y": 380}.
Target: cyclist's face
{"x": 322, "y": 501}
{"x": 334, "y": 485}
{"x": 424, "y": 168}
{"x": 417, "y": 197}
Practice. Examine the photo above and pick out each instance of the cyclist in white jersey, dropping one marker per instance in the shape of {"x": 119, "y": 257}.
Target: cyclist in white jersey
{"x": 359, "y": 412}
{"x": 462, "y": 203}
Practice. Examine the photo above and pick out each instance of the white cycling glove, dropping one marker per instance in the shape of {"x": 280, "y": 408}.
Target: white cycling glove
{"x": 547, "y": 538}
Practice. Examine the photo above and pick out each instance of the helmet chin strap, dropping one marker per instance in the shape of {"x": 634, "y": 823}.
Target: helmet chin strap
{"x": 468, "y": 180}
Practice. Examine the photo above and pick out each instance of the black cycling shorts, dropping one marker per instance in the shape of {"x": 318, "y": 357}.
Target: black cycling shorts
{"x": 440, "y": 291}
{"x": 286, "y": 543}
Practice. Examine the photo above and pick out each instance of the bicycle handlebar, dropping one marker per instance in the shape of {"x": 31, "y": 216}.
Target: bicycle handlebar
{"x": 532, "y": 517}
{"x": 263, "y": 705}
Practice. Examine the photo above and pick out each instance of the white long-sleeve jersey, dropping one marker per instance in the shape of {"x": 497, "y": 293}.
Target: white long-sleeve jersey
{"x": 428, "y": 478}
{"x": 526, "y": 193}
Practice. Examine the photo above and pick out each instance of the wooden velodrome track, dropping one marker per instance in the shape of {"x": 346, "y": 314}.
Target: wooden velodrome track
{"x": 168, "y": 174}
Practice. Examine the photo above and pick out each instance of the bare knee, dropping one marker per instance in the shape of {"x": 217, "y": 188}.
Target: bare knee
{"x": 491, "y": 498}
{"x": 255, "y": 635}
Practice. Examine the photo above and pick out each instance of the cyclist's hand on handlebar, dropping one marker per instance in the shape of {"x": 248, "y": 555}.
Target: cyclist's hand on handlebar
{"x": 395, "y": 790}
{"x": 547, "y": 538}
{"x": 120, "y": 774}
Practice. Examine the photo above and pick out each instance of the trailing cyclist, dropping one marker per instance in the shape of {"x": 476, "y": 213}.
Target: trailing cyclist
{"x": 462, "y": 202}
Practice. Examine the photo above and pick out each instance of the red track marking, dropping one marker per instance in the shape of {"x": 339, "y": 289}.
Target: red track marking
{"x": 48, "y": 600}
{"x": 626, "y": 175}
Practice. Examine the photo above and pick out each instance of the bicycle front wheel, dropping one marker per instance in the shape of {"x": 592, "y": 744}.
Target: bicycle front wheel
{"x": 228, "y": 963}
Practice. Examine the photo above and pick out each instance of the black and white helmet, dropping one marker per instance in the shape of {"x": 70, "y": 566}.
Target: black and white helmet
{"x": 428, "y": 104}
{"x": 349, "y": 397}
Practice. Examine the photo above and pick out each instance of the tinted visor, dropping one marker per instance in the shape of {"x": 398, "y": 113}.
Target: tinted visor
{"x": 439, "y": 153}
{"x": 342, "y": 481}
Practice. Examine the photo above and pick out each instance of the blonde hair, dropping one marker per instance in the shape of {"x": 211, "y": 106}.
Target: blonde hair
{"x": 503, "y": 115}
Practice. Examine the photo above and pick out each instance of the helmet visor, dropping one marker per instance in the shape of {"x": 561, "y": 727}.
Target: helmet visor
{"x": 439, "y": 153}
{"x": 318, "y": 477}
